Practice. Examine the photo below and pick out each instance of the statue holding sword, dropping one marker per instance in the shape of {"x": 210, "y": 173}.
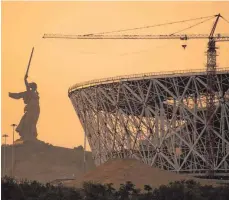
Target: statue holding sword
{"x": 27, "y": 126}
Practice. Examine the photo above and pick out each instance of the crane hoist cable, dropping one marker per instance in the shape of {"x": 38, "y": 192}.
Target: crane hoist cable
{"x": 152, "y": 26}
{"x": 225, "y": 19}
{"x": 192, "y": 26}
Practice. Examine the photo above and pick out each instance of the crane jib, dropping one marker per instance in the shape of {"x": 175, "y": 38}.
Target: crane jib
{"x": 217, "y": 37}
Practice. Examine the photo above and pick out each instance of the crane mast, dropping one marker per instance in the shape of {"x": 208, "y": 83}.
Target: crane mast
{"x": 210, "y": 98}
{"x": 210, "y": 70}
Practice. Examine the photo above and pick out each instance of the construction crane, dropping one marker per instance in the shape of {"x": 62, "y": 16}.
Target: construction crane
{"x": 210, "y": 65}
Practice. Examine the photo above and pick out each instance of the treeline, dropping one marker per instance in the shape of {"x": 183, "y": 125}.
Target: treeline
{"x": 182, "y": 190}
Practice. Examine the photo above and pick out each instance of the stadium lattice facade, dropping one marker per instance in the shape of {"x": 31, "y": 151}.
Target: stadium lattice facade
{"x": 157, "y": 118}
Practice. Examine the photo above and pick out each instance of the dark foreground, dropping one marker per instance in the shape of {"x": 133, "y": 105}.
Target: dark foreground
{"x": 182, "y": 190}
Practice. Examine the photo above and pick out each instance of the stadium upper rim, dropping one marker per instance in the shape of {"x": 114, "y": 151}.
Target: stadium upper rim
{"x": 142, "y": 76}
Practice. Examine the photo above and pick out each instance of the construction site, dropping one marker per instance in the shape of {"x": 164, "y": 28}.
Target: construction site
{"x": 176, "y": 121}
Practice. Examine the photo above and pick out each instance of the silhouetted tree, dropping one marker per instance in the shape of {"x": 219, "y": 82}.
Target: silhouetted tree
{"x": 96, "y": 191}
{"x": 179, "y": 190}
{"x": 127, "y": 191}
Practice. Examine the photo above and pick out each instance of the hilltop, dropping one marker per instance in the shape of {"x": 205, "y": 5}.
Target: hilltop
{"x": 44, "y": 162}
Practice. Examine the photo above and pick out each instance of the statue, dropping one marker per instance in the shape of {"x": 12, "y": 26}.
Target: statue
{"x": 27, "y": 126}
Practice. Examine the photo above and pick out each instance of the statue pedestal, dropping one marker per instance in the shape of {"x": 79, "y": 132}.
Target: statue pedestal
{"x": 27, "y": 140}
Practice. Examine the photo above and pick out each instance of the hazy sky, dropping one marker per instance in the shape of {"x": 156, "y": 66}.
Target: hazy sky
{"x": 58, "y": 64}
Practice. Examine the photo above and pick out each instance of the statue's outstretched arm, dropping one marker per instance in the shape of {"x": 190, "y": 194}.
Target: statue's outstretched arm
{"x": 16, "y": 95}
{"x": 26, "y": 82}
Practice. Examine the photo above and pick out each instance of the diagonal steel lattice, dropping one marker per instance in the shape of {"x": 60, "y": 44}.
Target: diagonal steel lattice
{"x": 160, "y": 119}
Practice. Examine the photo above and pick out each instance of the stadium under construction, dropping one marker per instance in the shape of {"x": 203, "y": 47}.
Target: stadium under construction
{"x": 177, "y": 121}
{"x": 157, "y": 118}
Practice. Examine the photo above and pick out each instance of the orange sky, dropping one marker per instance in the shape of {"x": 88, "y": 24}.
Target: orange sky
{"x": 58, "y": 64}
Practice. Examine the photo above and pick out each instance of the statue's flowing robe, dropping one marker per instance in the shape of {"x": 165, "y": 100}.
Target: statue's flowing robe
{"x": 27, "y": 126}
